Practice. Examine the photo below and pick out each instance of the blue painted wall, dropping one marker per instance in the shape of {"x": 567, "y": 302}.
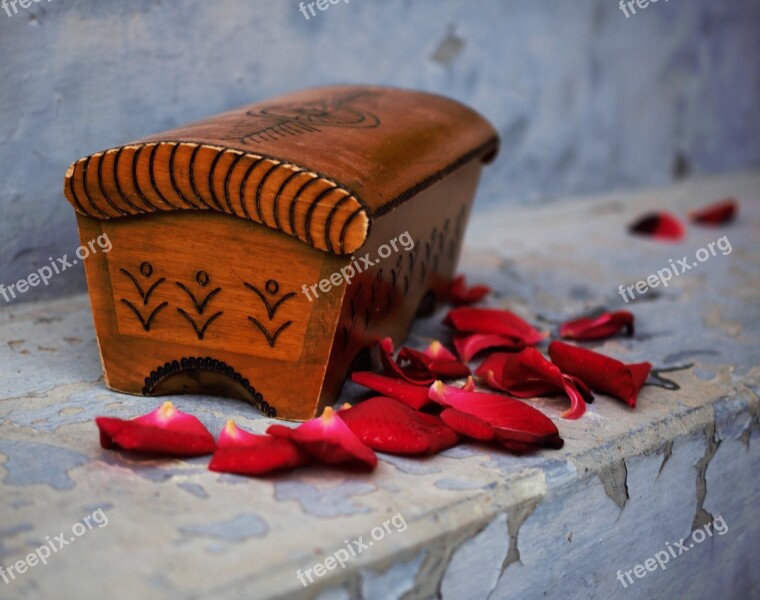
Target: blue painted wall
{"x": 586, "y": 99}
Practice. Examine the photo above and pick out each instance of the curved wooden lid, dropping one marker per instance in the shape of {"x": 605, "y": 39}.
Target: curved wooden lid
{"x": 320, "y": 164}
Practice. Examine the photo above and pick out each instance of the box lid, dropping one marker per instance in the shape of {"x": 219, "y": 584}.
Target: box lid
{"x": 319, "y": 164}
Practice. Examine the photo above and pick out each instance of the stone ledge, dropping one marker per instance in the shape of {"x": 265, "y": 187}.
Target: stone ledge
{"x": 561, "y": 523}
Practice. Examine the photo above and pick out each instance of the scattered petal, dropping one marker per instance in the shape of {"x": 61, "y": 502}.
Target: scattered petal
{"x": 415, "y": 396}
{"x": 468, "y": 425}
{"x": 447, "y": 366}
{"x": 468, "y": 346}
{"x": 512, "y": 420}
{"x": 490, "y": 367}
{"x": 493, "y": 321}
{"x": 328, "y": 439}
{"x": 416, "y": 372}
{"x": 437, "y": 351}
{"x": 460, "y": 294}
{"x": 245, "y": 453}
{"x": 598, "y": 328}
{"x": 163, "y": 431}
{"x": 717, "y": 213}
{"x": 528, "y": 374}
{"x": 386, "y": 425}
{"x": 659, "y": 225}
{"x": 601, "y": 373}
{"x": 232, "y": 437}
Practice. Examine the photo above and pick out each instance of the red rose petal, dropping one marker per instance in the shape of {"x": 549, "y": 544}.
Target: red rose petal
{"x": 442, "y": 367}
{"x": 577, "y": 399}
{"x": 488, "y": 369}
{"x": 468, "y": 385}
{"x": 597, "y": 328}
{"x": 467, "y": 425}
{"x": 386, "y": 425}
{"x": 417, "y": 372}
{"x": 232, "y": 437}
{"x": 437, "y": 351}
{"x": 460, "y": 294}
{"x": 659, "y": 225}
{"x": 468, "y": 346}
{"x": 163, "y": 431}
{"x": 523, "y": 448}
{"x": 244, "y": 453}
{"x": 449, "y": 369}
{"x": 415, "y": 396}
{"x": 528, "y": 374}
{"x": 600, "y": 372}
{"x": 511, "y": 419}
{"x": 328, "y": 439}
{"x": 717, "y": 213}
{"x": 493, "y": 321}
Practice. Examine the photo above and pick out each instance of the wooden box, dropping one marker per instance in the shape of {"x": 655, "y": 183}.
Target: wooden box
{"x": 233, "y": 239}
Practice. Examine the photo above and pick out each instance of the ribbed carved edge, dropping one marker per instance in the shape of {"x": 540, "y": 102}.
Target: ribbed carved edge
{"x": 131, "y": 181}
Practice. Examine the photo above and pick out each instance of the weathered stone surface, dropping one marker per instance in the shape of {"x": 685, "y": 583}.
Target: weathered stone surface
{"x": 478, "y": 521}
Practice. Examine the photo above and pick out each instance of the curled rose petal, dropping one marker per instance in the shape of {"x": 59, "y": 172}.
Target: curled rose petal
{"x": 468, "y": 346}
{"x": 468, "y": 385}
{"x": 386, "y": 425}
{"x": 659, "y": 225}
{"x": 460, "y": 294}
{"x": 717, "y": 213}
{"x": 490, "y": 367}
{"x": 601, "y": 373}
{"x": 511, "y": 419}
{"x": 415, "y": 396}
{"x": 493, "y": 321}
{"x": 245, "y": 453}
{"x": 163, "y": 431}
{"x": 438, "y": 360}
{"x": 416, "y": 372}
{"x": 528, "y": 374}
{"x": 597, "y": 328}
{"x": 328, "y": 439}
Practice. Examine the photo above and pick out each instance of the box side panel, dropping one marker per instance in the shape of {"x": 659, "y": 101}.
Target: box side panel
{"x": 198, "y": 301}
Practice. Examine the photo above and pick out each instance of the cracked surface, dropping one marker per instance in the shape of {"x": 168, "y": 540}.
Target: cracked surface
{"x": 614, "y": 478}
{"x": 701, "y": 516}
{"x": 480, "y": 522}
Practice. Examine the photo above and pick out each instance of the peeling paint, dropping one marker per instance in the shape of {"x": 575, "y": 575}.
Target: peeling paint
{"x": 449, "y": 48}
{"x": 515, "y": 520}
{"x": 667, "y": 452}
{"x": 701, "y": 516}
{"x": 614, "y": 477}
{"x": 31, "y": 463}
{"x": 484, "y": 553}
{"x": 195, "y": 489}
{"x": 393, "y": 582}
{"x": 325, "y": 502}
{"x": 235, "y": 530}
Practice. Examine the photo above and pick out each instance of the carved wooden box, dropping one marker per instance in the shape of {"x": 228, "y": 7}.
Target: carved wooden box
{"x": 232, "y": 240}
